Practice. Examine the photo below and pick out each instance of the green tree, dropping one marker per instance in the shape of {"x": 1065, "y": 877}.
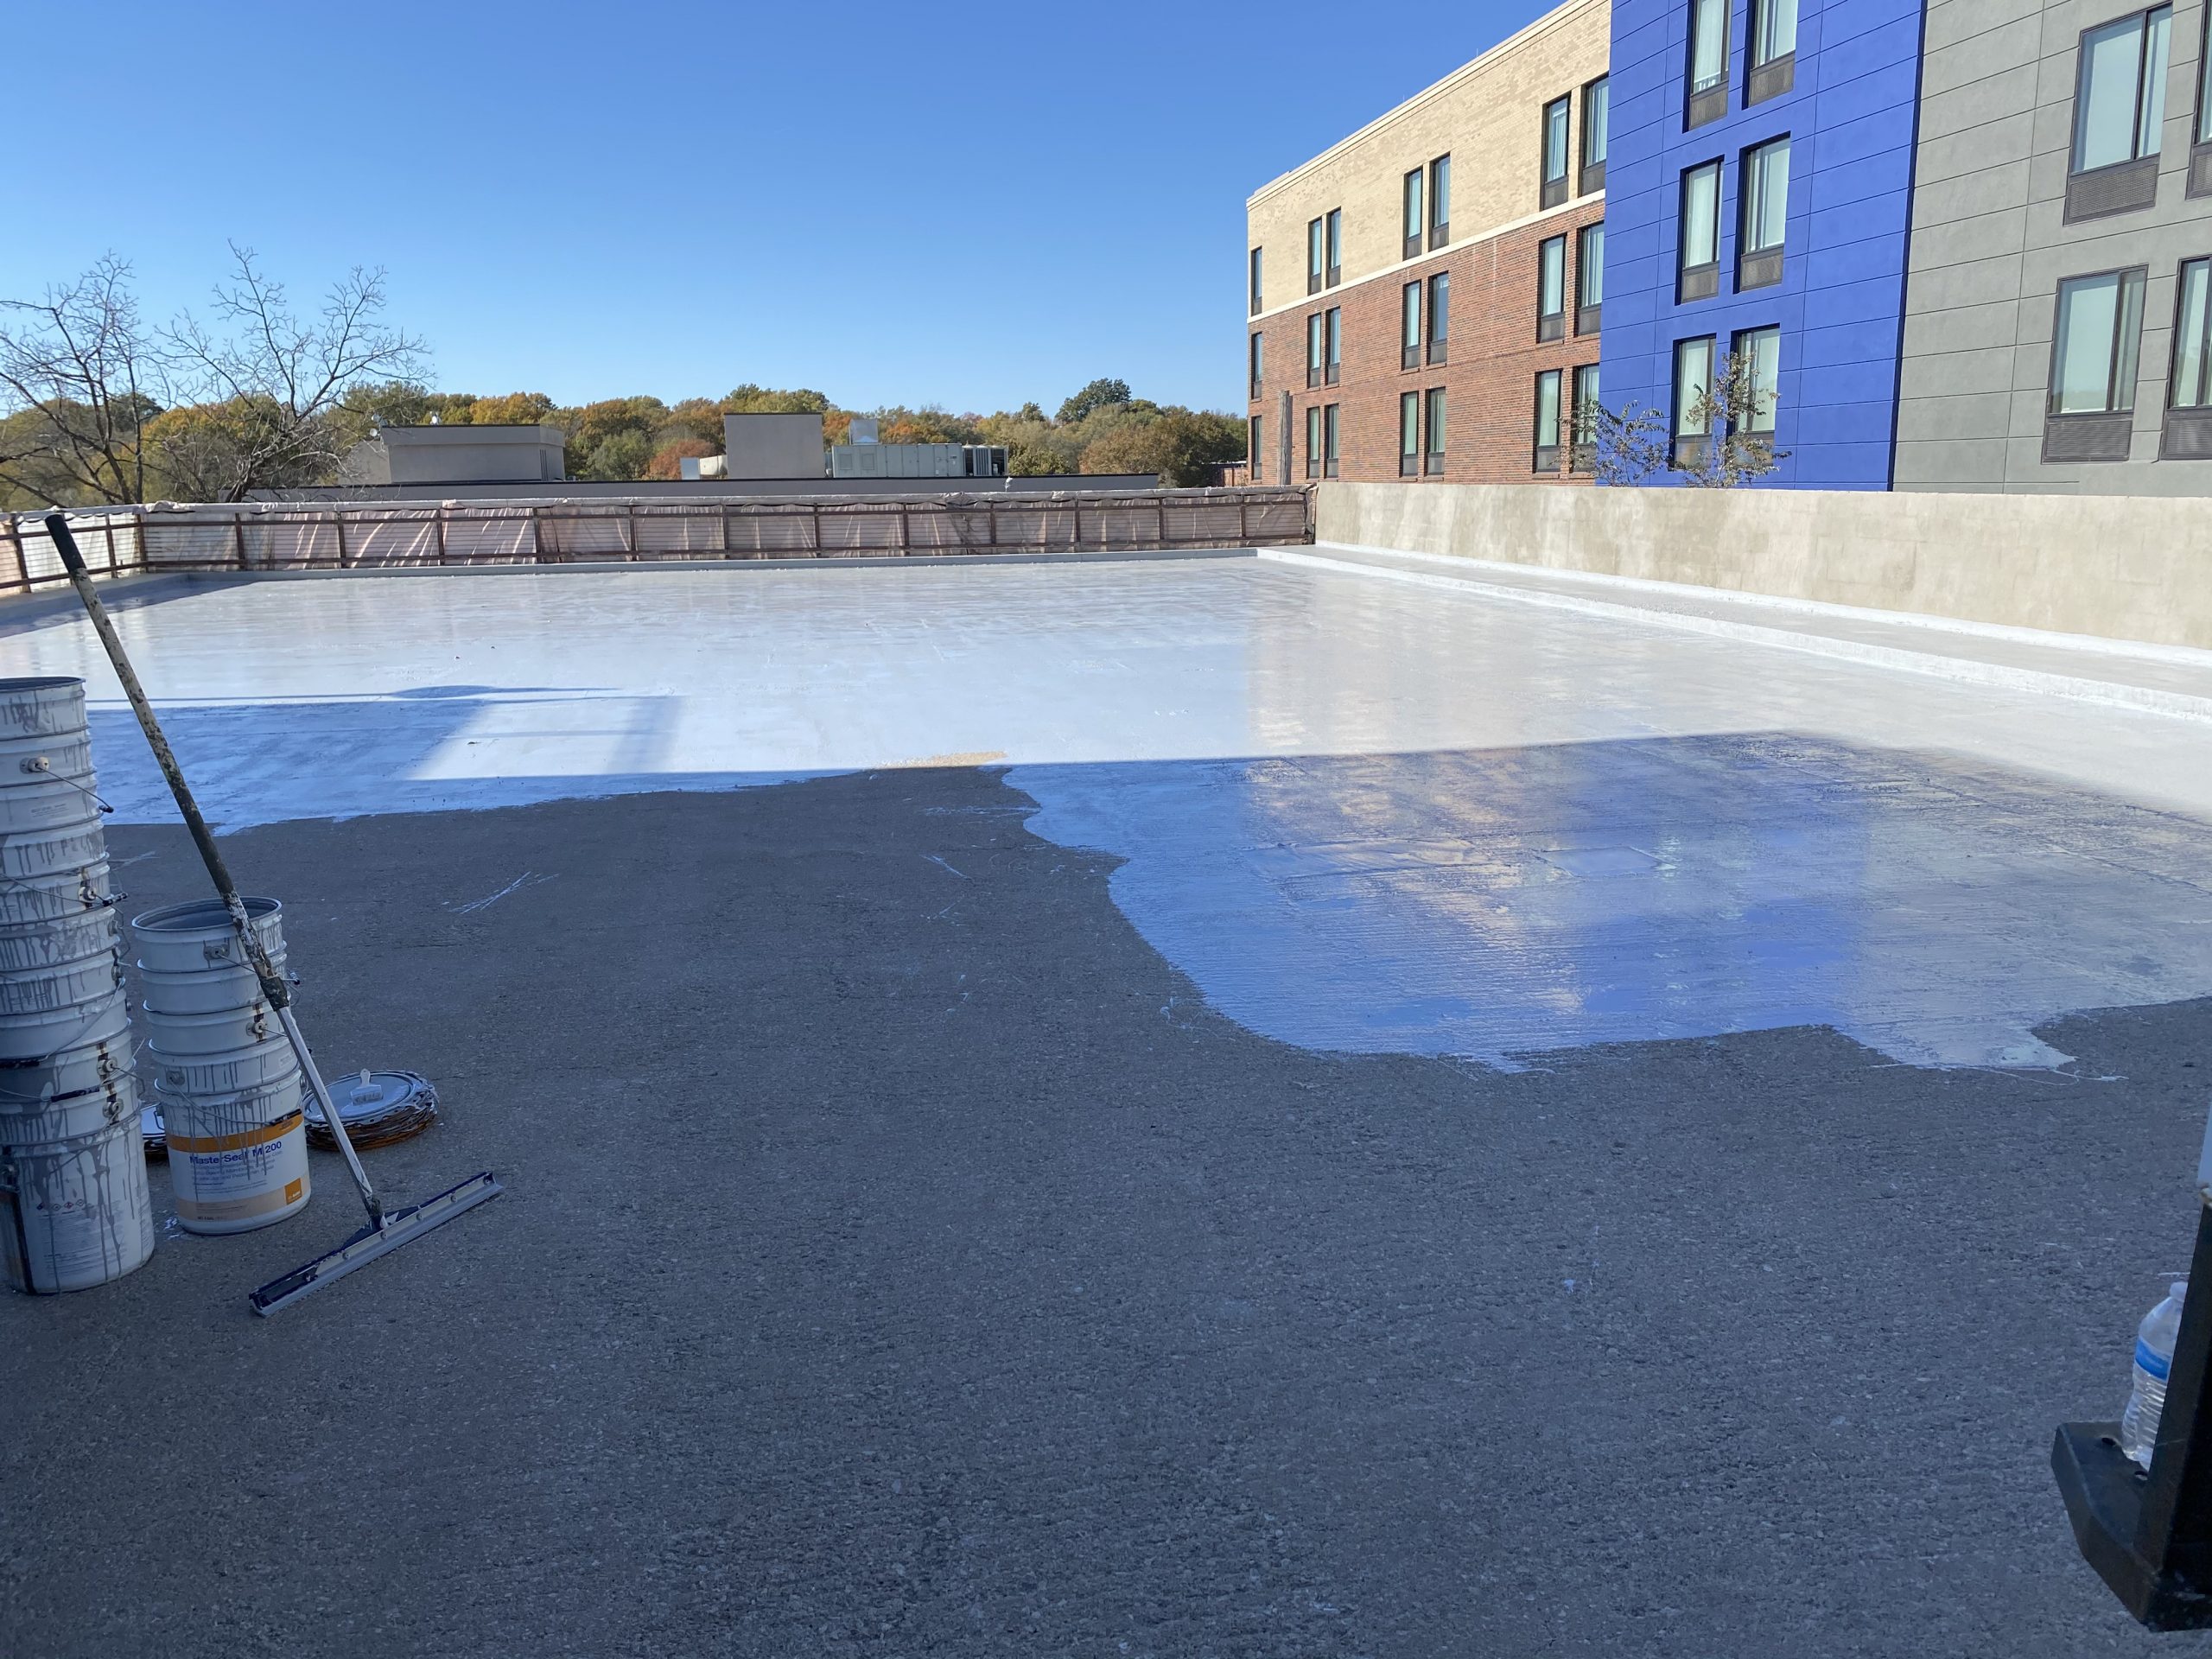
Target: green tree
{"x": 1099, "y": 394}
{"x": 1182, "y": 445}
{"x": 668, "y": 461}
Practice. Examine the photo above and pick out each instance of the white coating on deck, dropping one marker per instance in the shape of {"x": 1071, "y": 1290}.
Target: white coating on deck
{"x": 1360, "y": 814}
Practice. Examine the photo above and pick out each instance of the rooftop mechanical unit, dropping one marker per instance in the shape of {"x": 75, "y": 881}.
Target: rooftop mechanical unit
{"x": 917, "y": 461}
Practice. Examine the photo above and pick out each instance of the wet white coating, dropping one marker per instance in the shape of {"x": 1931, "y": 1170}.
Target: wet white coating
{"x": 1359, "y": 814}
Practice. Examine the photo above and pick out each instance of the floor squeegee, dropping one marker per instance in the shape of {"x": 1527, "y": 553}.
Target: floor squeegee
{"x": 388, "y": 1229}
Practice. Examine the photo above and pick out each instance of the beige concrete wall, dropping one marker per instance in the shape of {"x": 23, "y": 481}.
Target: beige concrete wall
{"x": 2117, "y": 566}
{"x": 1486, "y": 116}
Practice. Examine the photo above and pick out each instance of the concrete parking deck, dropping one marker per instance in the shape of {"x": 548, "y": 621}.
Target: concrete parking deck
{"x": 1144, "y": 1107}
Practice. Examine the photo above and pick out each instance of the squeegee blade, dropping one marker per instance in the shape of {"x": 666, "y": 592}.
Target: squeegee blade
{"x": 400, "y": 1227}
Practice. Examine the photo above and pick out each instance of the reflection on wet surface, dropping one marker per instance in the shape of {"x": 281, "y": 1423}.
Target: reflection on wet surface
{"x": 1359, "y": 814}
{"x": 1502, "y": 903}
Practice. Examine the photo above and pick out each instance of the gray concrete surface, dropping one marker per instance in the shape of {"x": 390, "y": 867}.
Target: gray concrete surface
{"x": 901, "y": 1259}
{"x": 2116, "y": 566}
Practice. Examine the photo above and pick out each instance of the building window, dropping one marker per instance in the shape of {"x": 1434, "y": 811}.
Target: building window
{"x": 1758, "y": 360}
{"x": 1409, "y": 326}
{"x": 1589, "y": 277}
{"x": 1555, "y": 150}
{"x": 1329, "y": 425}
{"x": 1434, "y": 465}
{"x": 2187, "y": 433}
{"x": 1585, "y": 417}
{"x": 1316, "y": 266}
{"x": 1409, "y": 435}
{"x": 1316, "y": 352}
{"x": 2094, "y": 338}
{"x": 1693, "y": 381}
{"x": 1547, "y": 436}
{"x": 1763, "y": 201}
{"x": 2200, "y": 154}
{"x": 1439, "y": 202}
{"x": 1255, "y": 282}
{"x": 1254, "y": 450}
{"x": 2119, "y": 103}
{"x": 1597, "y": 122}
{"x": 1336, "y": 344}
{"x": 1440, "y": 316}
{"x": 1313, "y": 441}
{"x": 1708, "y": 62}
{"x": 1698, "y": 234}
{"x": 1551, "y": 287}
{"x": 1257, "y": 373}
{"x": 1416, "y": 211}
{"x": 1773, "y": 50}
{"x": 1336, "y": 240}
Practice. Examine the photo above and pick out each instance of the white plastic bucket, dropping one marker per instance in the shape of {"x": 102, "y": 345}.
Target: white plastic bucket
{"x": 56, "y": 939}
{"x": 229, "y": 1173}
{"x": 35, "y": 1036}
{"x": 51, "y": 802}
{"x": 226, "y": 1073}
{"x": 94, "y": 1063}
{"x": 75, "y": 1213}
{"x": 209, "y": 992}
{"x": 34, "y": 991}
{"x": 27, "y": 758}
{"x": 57, "y": 850}
{"x": 67, "y": 892}
{"x": 41, "y": 708}
{"x": 193, "y": 937}
{"x": 190, "y": 1036}
{"x": 31, "y": 1121}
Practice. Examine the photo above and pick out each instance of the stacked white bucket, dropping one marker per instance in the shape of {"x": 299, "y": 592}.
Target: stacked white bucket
{"x": 225, "y": 1075}
{"x": 75, "y": 1208}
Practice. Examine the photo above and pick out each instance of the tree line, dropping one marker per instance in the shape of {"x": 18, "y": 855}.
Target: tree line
{"x": 100, "y": 406}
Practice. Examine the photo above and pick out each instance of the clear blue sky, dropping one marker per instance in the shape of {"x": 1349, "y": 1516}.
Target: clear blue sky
{"x": 955, "y": 204}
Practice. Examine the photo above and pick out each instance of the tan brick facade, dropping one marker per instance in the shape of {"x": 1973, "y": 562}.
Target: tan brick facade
{"x": 1488, "y": 117}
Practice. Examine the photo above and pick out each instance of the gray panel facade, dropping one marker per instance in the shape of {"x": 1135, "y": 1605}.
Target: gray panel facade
{"x": 1990, "y": 243}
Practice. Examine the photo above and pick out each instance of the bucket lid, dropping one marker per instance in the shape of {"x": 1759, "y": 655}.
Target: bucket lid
{"x": 377, "y": 1108}
{"x": 198, "y": 915}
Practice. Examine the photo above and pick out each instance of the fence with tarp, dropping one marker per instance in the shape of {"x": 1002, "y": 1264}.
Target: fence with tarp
{"x": 288, "y": 535}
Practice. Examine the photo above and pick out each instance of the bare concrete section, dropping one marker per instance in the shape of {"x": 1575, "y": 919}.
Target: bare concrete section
{"x": 2119, "y": 568}
{"x": 900, "y": 1259}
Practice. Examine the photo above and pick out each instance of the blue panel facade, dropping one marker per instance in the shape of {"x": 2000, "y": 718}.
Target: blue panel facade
{"x": 1850, "y": 119}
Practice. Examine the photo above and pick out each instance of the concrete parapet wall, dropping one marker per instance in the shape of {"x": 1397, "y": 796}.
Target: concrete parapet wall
{"x": 2116, "y": 566}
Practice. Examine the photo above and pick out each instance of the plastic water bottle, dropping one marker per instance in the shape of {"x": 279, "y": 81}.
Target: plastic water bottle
{"x": 2154, "y": 1356}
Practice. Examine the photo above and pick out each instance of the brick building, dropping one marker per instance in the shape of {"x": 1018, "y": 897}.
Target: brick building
{"x": 1425, "y": 296}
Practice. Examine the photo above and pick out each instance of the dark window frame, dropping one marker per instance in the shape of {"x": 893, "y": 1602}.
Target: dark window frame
{"x": 1701, "y": 281}
{"x": 1759, "y": 267}
{"x": 2185, "y": 429}
{"x": 1313, "y": 441}
{"x": 1256, "y": 365}
{"x": 1333, "y": 329}
{"x": 1411, "y": 309}
{"x": 1703, "y": 103}
{"x": 1332, "y": 439}
{"x": 1552, "y": 191}
{"x": 1548, "y": 457}
{"x": 1412, "y": 210}
{"x": 1440, "y": 201}
{"x": 1316, "y": 264}
{"x": 1551, "y": 324}
{"x": 1334, "y": 218}
{"x": 1738, "y": 342}
{"x": 1582, "y": 420}
{"x": 1438, "y": 344}
{"x": 1766, "y": 78}
{"x": 2200, "y": 126}
{"x": 1255, "y": 446}
{"x": 1590, "y": 175}
{"x": 1589, "y": 313}
{"x": 1433, "y": 431}
{"x": 1680, "y": 443}
{"x": 2131, "y": 184}
{"x": 1316, "y": 348}
{"x": 1410, "y": 460}
{"x": 2081, "y": 436}
{"x": 1257, "y": 287}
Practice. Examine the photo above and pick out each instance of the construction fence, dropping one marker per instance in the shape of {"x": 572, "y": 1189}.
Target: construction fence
{"x": 253, "y": 536}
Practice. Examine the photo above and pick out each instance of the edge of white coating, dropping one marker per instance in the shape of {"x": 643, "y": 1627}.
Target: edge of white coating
{"x": 1930, "y": 660}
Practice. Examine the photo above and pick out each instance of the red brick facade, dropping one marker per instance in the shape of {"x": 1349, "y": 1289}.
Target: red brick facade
{"x": 1490, "y": 382}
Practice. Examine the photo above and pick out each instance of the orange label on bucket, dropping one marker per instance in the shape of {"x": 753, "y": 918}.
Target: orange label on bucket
{"x": 239, "y": 1142}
